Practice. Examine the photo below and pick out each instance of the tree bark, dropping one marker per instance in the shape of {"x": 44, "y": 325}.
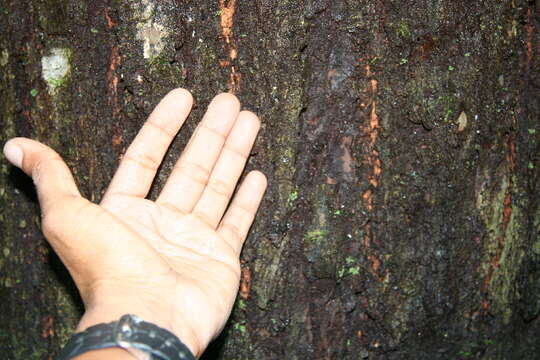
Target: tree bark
{"x": 400, "y": 140}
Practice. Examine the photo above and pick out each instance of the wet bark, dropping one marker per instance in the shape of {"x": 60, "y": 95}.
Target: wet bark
{"x": 400, "y": 140}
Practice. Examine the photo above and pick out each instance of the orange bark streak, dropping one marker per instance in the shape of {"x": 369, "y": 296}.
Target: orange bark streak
{"x": 372, "y": 159}
{"x": 112, "y": 79}
{"x": 47, "y": 327}
{"x": 227, "y": 9}
{"x": 245, "y": 283}
{"x": 530, "y": 36}
{"x": 110, "y": 22}
{"x": 375, "y": 263}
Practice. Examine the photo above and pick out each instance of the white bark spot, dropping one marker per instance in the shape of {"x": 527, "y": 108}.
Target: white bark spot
{"x": 149, "y": 28}
{"x": 462, "y": 121}
{"x": 152, "y": 35}
{"x": 55, "y": 68}
{"x": 4, "y": 58}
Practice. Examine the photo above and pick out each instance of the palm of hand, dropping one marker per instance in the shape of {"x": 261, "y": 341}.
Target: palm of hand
{"x": 181, "y": 240}
{"x": 173, "y": 261}
{"x": 202, "y": 263}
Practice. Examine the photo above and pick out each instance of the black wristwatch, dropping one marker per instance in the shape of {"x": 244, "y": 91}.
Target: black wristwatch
{"x": 144, "y": 340}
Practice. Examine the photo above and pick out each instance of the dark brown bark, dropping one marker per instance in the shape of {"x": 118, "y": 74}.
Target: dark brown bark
{"x": 400, "y": 140}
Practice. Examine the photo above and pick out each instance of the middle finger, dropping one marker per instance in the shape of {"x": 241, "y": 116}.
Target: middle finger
{"x": 191, "y": 172}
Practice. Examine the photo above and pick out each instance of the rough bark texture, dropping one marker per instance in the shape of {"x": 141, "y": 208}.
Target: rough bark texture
{"x": 400, "y": 139}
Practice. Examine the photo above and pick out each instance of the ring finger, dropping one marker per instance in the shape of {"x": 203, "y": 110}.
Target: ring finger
{"x": 228, "y": 168}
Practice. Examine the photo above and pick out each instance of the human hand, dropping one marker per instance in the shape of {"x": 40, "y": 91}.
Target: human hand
{"x": 173, "y": 261}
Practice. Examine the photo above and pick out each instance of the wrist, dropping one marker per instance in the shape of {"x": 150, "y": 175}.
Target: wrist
{"x": 141, "y": 339}
{"x": 111, "y": 310}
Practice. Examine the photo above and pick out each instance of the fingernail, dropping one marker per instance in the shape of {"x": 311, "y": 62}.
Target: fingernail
{"x": 13, "y": 153}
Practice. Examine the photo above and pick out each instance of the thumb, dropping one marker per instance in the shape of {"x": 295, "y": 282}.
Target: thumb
{"x": 61, "y": 206}
{"x": 49, "y": 172}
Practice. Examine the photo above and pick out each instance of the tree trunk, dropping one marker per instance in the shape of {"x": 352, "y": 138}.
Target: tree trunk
{"x": 400, "y": 140}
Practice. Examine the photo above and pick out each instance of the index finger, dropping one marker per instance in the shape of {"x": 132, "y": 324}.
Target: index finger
{"x": 143, "y": 157}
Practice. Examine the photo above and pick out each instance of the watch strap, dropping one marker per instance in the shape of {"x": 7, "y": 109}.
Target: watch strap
{"x": 130, "y": 333}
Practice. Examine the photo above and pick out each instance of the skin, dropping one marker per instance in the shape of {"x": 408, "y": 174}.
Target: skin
{"x": 173, "y": 261}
